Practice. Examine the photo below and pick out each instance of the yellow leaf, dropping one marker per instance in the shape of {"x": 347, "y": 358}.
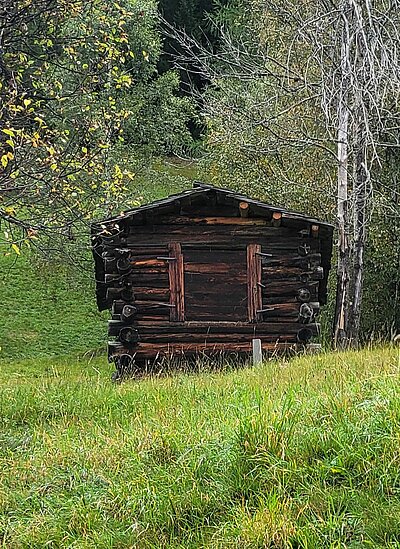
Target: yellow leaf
{"x": 27, "y": 102}
{"x": 8, "y": 132}
{"x": 4, "y": 160}
{"x": 84, "y": 150}
{"x": 16, "y": 249}
{"x": 53, "y": 166}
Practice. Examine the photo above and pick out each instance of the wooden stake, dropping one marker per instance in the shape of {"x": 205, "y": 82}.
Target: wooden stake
{"x": 257, "y": 352}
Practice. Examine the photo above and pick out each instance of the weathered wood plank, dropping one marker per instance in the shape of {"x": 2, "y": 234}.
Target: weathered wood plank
{"x": 146, "y": 293}
{"x": 215, "y": 284}
{"x": 212, "y": 338}
{"x": 199, "y": 229}
{"x": 254, "y": 295}
{"x": 176, "y": 283}
{"x": 212, "y": 268}
{"x": 274, "y": 328}
{"x": 294, "y": 273}
{"x": 152, "y": 350}
{"x": 291, "y": 260}
{"x": 209, "y": 220}
{"x": 284, "y": 287}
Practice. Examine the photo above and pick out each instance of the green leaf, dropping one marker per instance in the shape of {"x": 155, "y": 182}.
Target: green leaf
{"x": 16, "y": 249}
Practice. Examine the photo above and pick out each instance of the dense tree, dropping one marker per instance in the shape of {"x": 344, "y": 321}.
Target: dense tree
{"x": 78, "y": 83}
{"x": 299, "y": 90}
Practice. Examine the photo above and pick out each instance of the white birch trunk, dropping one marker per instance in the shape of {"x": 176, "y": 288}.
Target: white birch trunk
{"x": 343, "y": 267}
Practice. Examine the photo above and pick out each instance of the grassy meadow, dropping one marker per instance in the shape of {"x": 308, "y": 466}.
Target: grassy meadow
{"x": 292, "y": 454}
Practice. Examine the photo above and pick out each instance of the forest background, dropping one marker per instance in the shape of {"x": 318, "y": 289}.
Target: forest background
{"x": 105, "y": 106}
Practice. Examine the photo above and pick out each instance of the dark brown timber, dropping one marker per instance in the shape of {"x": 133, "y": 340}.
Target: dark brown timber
{"x": 207, "y": 271}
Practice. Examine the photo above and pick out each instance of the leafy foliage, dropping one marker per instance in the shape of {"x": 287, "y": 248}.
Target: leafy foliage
{"x": 76, "y": 79}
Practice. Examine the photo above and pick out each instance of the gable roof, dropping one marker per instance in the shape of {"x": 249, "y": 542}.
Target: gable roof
{"x": 199, "y": 189}
{"x": 223, "y": 196}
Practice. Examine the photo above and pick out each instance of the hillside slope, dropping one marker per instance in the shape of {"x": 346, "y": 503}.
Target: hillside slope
{"x": 47, "y": 309}
{"x": 299, "y": 454}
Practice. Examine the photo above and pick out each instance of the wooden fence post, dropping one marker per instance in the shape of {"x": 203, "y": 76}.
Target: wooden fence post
{"x": 257, "y": 352}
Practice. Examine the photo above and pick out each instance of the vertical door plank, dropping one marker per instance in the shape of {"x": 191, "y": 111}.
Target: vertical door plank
{"x": 176, "y": 283}
{"x": 254, "y": 293}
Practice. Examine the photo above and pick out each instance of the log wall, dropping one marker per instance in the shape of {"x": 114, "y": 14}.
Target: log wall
{"x": 183, "y": 284}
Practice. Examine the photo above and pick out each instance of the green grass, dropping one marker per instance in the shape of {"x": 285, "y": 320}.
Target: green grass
{"x": 47, "y": 309}
{"x": 292, "y": 454}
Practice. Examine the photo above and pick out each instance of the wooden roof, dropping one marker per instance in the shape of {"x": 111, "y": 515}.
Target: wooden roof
{"x": 223, "y": 195}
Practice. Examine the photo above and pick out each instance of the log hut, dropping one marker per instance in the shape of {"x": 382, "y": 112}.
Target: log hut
{"x": 207, "y": 271}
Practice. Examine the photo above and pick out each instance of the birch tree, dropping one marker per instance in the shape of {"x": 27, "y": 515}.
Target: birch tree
{"x": 336, "y": 58}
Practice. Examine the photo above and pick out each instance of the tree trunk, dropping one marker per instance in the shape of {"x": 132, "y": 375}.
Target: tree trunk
{"x": 343, "y": 266}
{"x": 361, "y": 179}
{"x": 360, "y": 235}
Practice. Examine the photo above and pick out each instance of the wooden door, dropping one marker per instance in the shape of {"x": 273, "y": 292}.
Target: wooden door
{"x": 215, "y": 284}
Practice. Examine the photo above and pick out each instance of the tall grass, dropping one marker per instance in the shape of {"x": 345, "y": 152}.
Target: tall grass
{"x": 287, "y": 455}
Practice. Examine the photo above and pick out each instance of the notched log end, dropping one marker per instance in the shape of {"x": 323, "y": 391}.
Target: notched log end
{"x": 244, "y": 209}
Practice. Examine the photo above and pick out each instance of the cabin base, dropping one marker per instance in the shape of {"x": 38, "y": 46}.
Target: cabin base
{"x": 136, "y": 362}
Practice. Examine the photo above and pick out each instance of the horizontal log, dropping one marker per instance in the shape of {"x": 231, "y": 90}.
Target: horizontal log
{"x": 294, "y": 273}
{"x": 226, "y": 242}
{"x": 289, "y": 309}
{"x": 273, "y": 292}
{"x": 287, "y": 287}
{"x": 151, "y": 315}
{"x": 216, "y": 315}
{"x": 215, "y": 268}
{"x": 143, "y": 295}
{"x": 207, "y": 339}
{"x": 153, "y": 350}
{"x": 262, "y": 328}
{"x": 292, "y": 260}
{"x": 141, "y": 251}
{"x": 139, "y": 278}
{"x": 146, "y": 293}
{"x": 209, "y": 220}
{"x": 205, "y": 238}
{"x": 211, "y": 255}
{"x": 236, "y": 225}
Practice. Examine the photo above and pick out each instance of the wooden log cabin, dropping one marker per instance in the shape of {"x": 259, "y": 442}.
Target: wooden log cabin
{"x": 209, "y": 270}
